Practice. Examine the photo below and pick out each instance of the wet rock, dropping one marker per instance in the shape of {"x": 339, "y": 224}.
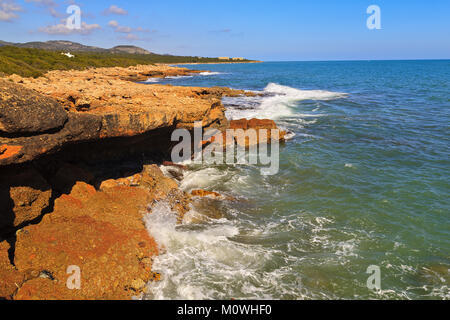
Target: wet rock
{"x": 154, "y": 179}
{"x": 204, "y": 193}
{"x": 172, "y": 164}
{"x": 264, "y": 126}
{"x": 176, "y": 174}
{"x": 211, "y": 194}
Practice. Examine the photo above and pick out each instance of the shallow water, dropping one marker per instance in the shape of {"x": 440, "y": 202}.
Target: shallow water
{"x": 365, "y": 181}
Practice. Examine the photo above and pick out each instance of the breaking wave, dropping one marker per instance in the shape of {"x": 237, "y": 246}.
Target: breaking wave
{"x": 277, "y": 102}
{"x": 208, "y": 73}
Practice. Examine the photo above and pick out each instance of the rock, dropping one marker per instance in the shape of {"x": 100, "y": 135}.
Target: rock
{"x": 9, "y": 151}
{"x": 102, "y": 104}
{"x": 42, "y": 288}
{"x": 153, "y": 177}
{"x": 25, "y": 148}
{"x": 132, "y": 181}
{"x": 171, "y": 164}
{"x": 108, "y": 184}
{"x": 92, "y": 116}
{"x": 242, "y": 138}
{"x": 11, "y": 279}
{"x": 23, "y": 111}
{"x": 176, "y": 174}
{"x": 211, "y": 194}
{"x": 205, "y": 209}
{"x": 82, "y": 191}
{"x": 138, "y": 284}
{"x": 204, "y": 193}
{"x": 102, "y": 233}
{"x": 24, "y": 194}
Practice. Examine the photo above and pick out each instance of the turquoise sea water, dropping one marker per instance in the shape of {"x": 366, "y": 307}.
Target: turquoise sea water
{"x": 365, "y": 181}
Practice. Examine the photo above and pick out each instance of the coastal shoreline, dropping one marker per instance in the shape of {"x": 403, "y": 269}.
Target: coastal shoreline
{"x": 80, "y": 158}
{"x": 213, "y": 63}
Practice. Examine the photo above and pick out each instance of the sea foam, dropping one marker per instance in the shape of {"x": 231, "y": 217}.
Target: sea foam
{"x": 278, "y": 102}
{"x": 209, "y": 73}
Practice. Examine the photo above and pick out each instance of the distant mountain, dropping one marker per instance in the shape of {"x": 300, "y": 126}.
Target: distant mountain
{"x": 69, "y": 46}
{"x": 60, "y": 46}
{"x": 4, "y": 43}
{"x": 129, "y": 49}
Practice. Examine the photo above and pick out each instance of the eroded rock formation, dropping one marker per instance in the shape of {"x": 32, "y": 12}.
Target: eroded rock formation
{"x": 79, "y": 156}
{"x": 83, "y": 106}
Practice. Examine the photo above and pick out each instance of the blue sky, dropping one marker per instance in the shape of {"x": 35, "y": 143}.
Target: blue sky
{"x": 267, "y": 30}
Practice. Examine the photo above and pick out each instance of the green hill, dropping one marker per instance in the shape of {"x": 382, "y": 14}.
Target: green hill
{"x": 30, "y": 62}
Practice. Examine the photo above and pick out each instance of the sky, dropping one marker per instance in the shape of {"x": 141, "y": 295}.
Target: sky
{"x": 283, "y": 30}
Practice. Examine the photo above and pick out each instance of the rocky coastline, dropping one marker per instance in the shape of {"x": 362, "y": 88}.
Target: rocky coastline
{"x": 80, "y": 157}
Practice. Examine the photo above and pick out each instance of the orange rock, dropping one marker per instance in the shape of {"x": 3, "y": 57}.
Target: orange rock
{"x": 239, "y": 124}
{"x": 24, "y": 194}
{"x": 37, "y": 288}
{"x": 258, "y": 125}
{"x": 82, "y": 191}
{"x": 171, "y": 164}
{"x": 11, "y": 279}
{"x": 105, "y": 237}
{"x": 211, "y": 194}
{"x": 102, "y": 233}
{"x": 154, "y": 179}
{"x": 103, "y": 103}
{"x": 261, "y": 124}
{"x": 204, "y": 193}
{"x": 133, "y": 181}
{"x": 8, "y": 151}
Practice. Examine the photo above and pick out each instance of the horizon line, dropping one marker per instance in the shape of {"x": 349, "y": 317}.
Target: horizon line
{"x": 356, "y": 60}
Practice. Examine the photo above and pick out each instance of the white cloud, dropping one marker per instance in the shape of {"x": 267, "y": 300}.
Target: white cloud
{"x": 124, "y": 29}
{"x": 49, "y": 5}
{"x": 62, "y": 29}
{"x": 131, "y": 37}
{"x": 45, "y": 3}
{"x": 130, "y": 32}
{"x": 113, "y": 23}
{"x": 115, "y": 10}
{"x": 8, "y": 10}
{"x": 55, "y": 13}
{"x": 118, "y": 28}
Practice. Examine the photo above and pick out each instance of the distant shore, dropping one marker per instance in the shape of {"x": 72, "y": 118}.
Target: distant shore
{"x": 195, "y": 63}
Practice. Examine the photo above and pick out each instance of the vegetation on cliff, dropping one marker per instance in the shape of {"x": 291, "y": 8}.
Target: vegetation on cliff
{"x": 28, "y": 62}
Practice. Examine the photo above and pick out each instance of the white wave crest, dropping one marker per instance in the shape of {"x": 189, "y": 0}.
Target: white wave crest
{"x": 191, "y": 257}
{"x": 298, "y": 95}
{"x": 280, "y": 101}
{"x": 178, "y": 77}
{"x": 209, "y": 73}
{"x": 152, "y": 80}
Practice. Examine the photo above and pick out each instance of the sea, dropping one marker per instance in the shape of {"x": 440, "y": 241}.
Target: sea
{"x": 359, "y": 208}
